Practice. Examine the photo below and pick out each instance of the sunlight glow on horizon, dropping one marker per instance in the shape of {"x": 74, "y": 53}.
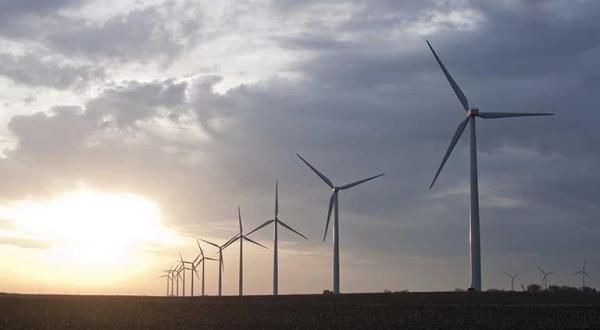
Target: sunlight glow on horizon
{"x": 94, "y": 238}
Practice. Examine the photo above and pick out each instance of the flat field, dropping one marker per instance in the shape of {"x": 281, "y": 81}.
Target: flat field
{"x": 435, "y": 310}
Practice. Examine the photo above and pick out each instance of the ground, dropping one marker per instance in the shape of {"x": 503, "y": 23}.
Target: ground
{"x": 434, "y": 310}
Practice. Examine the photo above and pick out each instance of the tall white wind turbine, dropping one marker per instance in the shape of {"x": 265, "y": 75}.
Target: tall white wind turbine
{"x": 584, "y": 274}
{"x": 201, "y": 259}
{"x": 471, "y": 114}
{"x": 221, "y": 264}
{"x": 334, "y": 204}
{"x": 241, "y": 236}
{"x": 276, "y": 221}
{"x": 545, "y": 277}
{"x": 512, "y": 280}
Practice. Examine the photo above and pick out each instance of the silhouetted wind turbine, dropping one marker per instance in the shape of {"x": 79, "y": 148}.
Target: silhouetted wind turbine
{"x": 167, "y": 276}
{"x": 583, "y": 275}
{"x": 201, "y": 259}
{"x": 221, "y": 264}
{"x": 192, "y": 270}
{"x": 242, "y": 237}
{"x": 472, "y": 113}
{"x": 545, "y": 277}
{"x": 178, "y": 276}
{"x": 275, "y": 221}
{"x": 183, "y": 280}
{"x": 334, "y": 204}
{"x": 512, "y": 280}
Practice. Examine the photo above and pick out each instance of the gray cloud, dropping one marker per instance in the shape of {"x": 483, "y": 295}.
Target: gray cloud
{"x": 374, "y": 101}
{"x": 32, "y": 71}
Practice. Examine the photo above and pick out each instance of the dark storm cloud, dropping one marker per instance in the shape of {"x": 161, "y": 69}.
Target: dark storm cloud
{"x": 375, "y": 102}
{"x": 161, "y": 30}
{"x": 156, "y": 32}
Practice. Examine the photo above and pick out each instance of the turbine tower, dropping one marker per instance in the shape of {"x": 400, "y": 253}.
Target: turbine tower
{"x": 167, "y": 276}
{"x": 201, "y": 259}
{"x": 182, "y": 269}
{"x": 221, "y": 264}
{"x": 276, "y": 221}
{"x": 545, "y": 277}
{"x": 242, "y": 237}
{"x": 583, "y": 275}
{"x": 334, "y": 204}
{"x": 512, "y": 280}
{"x": 472, "y": 113}
{"x": 192, "y": 270}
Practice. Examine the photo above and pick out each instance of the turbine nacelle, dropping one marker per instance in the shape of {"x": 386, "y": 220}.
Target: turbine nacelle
{"x": 472, "y": 112}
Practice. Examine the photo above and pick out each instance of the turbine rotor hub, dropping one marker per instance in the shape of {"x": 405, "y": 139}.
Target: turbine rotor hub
{"x": 472, "y": 112}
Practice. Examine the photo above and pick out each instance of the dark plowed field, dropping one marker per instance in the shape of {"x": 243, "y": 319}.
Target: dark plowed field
{"x": 440, "y": 310}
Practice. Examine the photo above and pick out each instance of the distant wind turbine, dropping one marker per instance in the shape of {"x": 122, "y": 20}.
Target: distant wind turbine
{"x": 182, "y": 269}
{"x": 545, "y": 277}
{"x": 512, "y": 280}
{"x": 583, "y": 275}
{"x": 242, "y": 237}
{"x": 472, "y": 113}
{"x": 192, "y": 270}
{"x": 334, "y": 204}
{"x": 276, "y": 221}
{"x": 221, "y": 264}
{"x": 178, "y": 277}
{"x": 201, "y": 259}
{"x": 167, "y": 276}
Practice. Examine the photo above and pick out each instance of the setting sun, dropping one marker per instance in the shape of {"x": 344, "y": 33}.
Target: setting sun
{"x": 97, "y": 231}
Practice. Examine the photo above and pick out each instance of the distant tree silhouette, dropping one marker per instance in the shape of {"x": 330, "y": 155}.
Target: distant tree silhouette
{"x": 534, "y": 288}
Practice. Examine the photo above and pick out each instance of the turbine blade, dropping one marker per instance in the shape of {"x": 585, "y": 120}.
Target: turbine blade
{"x": 195, "y": 271}
{"x": 200, "y": 247}
{"x": 576, "y": 273}
{"x": 328, "y": 215}
{"x": 276, "y": 201}
{"x": 180, "y": 257}
{"x": 586, "y": 274}
{"x": 292, "y": 229}
{"x": 457, "y": 134}
{"x": 211, "y": 243}
{"x": 518, "y": 274}
{"x": 350, "y": 185}
{"x": 541, "y": 270}
{"x": 507, "y": 274}
{"x": 207, "y": 258}
{"x": 196, "y": 259}
{"x": 323, "y": 177}
{"x": 461, "y": 96}
{"x": 260, "y": 227}
{"x": 496, "y": 115}
{"x": 228, "y": 243}
{"x": 240, "y": 220}
{"x": 252, "y": 241}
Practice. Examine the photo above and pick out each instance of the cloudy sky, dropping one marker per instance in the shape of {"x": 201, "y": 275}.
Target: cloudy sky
{"x": 129, "y": 129}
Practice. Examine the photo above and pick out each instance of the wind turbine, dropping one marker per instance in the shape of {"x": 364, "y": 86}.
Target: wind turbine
{"x": 167, "y": 276}
{"x": 334, "y": 204}
{"x": 178, "y": 276}
{"x": 472, "y": 113}
{"x": 201, "y": 259}
{"x": 182, "y": 269}
{"x": 545, "y": 277}
{"x": 583, "y": 275}
{"x": 512, "y": 280}
{"x": 276, "y": 221}
{"x": 169, "y": 280}
{"x": 192, "y": 270}
{"x": 242, "y": 237}
{"x": 221, "y": 264}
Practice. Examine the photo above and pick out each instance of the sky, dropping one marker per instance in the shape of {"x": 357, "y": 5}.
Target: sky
{"x": 129, "y": 129}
